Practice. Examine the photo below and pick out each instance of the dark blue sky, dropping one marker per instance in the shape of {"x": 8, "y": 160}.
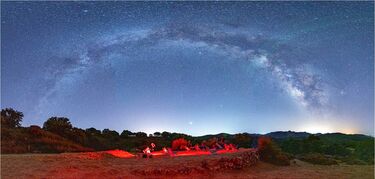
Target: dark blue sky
{"x": 192, "y": 67}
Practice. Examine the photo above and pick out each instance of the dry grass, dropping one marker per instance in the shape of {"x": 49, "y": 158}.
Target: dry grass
{"x": 99, "y": 165}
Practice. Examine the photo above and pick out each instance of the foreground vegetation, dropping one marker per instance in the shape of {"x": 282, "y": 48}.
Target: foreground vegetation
{"x": 59, "y": 135}
{"x": 331, "y": 148}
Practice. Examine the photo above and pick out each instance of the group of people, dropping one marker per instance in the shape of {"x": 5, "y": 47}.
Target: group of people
{"x": 216, "y": 144}
{"x": 149, "y": 151}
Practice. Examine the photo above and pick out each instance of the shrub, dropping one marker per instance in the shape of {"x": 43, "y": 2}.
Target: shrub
{"x": 352, "y": 161}
{"x": 271, "y": 153}
{"x": 242, "y": 140}
{"x": 35, "y": 139}
{"x": 179, "y": 144}
{"x": 211, "y": 143}
{"x": 316, "y": 158}
{"x": 14, "y": 140}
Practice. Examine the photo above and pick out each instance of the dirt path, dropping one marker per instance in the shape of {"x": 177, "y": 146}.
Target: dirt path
{"x": 99, "y": 166}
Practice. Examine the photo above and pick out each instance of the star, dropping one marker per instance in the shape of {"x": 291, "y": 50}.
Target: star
{"x": 342, "y": 92}
{"x": 220, "y": 60}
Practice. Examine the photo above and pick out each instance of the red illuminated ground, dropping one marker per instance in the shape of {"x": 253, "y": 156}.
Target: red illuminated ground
{"x": 106, "y": 165}
{"x": 120, "y": 153}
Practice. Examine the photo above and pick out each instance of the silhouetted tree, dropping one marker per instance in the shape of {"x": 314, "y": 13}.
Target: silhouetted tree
{"x": 165, "y": 134}
{"x": 95, "y": 139}
{"x": 110, "y": 133}
{"x": 58, "y": 125}
{"x": 242, "y": 140}
{"x": 11, "y": 118}
{"x": 93, "y": 131}
{"x": 78, "y": 135}
{"x": 157, "y": 134}
{"x": 270, "y": 152}
{"x": 141, "y": 134}
{"x": 126, "y": 133}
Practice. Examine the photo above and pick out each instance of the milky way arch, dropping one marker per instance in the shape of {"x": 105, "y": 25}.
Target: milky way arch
{"x": 295, "y": 78}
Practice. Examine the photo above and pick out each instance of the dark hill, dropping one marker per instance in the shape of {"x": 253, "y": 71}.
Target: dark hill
{"x": 288, "y": 134}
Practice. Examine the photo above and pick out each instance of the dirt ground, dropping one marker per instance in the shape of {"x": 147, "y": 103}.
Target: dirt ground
{"x": 96, "y": 165}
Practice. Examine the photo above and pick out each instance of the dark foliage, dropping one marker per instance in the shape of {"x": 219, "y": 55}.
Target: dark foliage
{"x": 242, "y": 140}
{"x": 126, "y": 133}
{"x": 270, "y": 152}
{"x": 157, "y": 134}
{"x": 58, "y": 125}
{"x": 141, "y": 134}
{"x": 59, "y": 135}
{"x": 36, "y": 140}
{"x": 351, "y": 149}
{"x": 11, "y": 118}
{"x": 316, "y": 158}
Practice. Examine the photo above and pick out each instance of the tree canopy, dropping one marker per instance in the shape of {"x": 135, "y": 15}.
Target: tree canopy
{"x": 58, "y": 125}
{"x": 11, "y": 118}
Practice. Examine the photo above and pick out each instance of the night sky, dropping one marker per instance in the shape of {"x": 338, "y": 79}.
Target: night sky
{"x": 192, "y": 67}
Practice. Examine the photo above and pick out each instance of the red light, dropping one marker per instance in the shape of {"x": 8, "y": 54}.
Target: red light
{"x": 190, "y": 153}
{"x": 120, "y": 153}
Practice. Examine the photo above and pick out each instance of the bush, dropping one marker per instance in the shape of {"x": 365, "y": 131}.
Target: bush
{"x": 211, "y": 143}
{"x": 351, "y": 149}
{"x": 319, "y": 159}
{"x": 271, "y": 153}
{"x": 35, "y": 139}
{"x": 242, "y": 140}
{"x": 179, "y": 144}
{"x": 352, "y": 161}
{"x": 35, "y": 130}
{"x": 14, "y": 140}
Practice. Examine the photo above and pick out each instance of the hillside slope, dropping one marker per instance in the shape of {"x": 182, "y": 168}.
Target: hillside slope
{"x": 36, "y": 140}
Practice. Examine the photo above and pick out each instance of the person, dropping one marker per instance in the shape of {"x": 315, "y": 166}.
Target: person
{"x": 218, "y": 146}
{"x": 227, "y": 147}
{"x": 152, "y": 147}
{"x": 147, "y": 152}
{"x": 232, "y": 147}
{"x": 186, "y": 148}
{"x": 196, "y": 147}
{"x": 170, "y": 152}
{"x": 204, "y": 146}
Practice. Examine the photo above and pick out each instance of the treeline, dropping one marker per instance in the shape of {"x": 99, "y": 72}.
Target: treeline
{"x": 58, "y": 135}
{"x": 331, "y": 148}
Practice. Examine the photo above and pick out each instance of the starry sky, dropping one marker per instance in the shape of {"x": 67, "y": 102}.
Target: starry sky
{"x": 192, "y": 67}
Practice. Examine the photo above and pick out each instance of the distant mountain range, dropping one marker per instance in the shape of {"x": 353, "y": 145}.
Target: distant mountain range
{"x": 288, "y": 134}
{"x": 298, "y": 135}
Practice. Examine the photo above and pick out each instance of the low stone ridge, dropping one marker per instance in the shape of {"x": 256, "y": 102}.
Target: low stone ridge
{"x": 236, "y": 160}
